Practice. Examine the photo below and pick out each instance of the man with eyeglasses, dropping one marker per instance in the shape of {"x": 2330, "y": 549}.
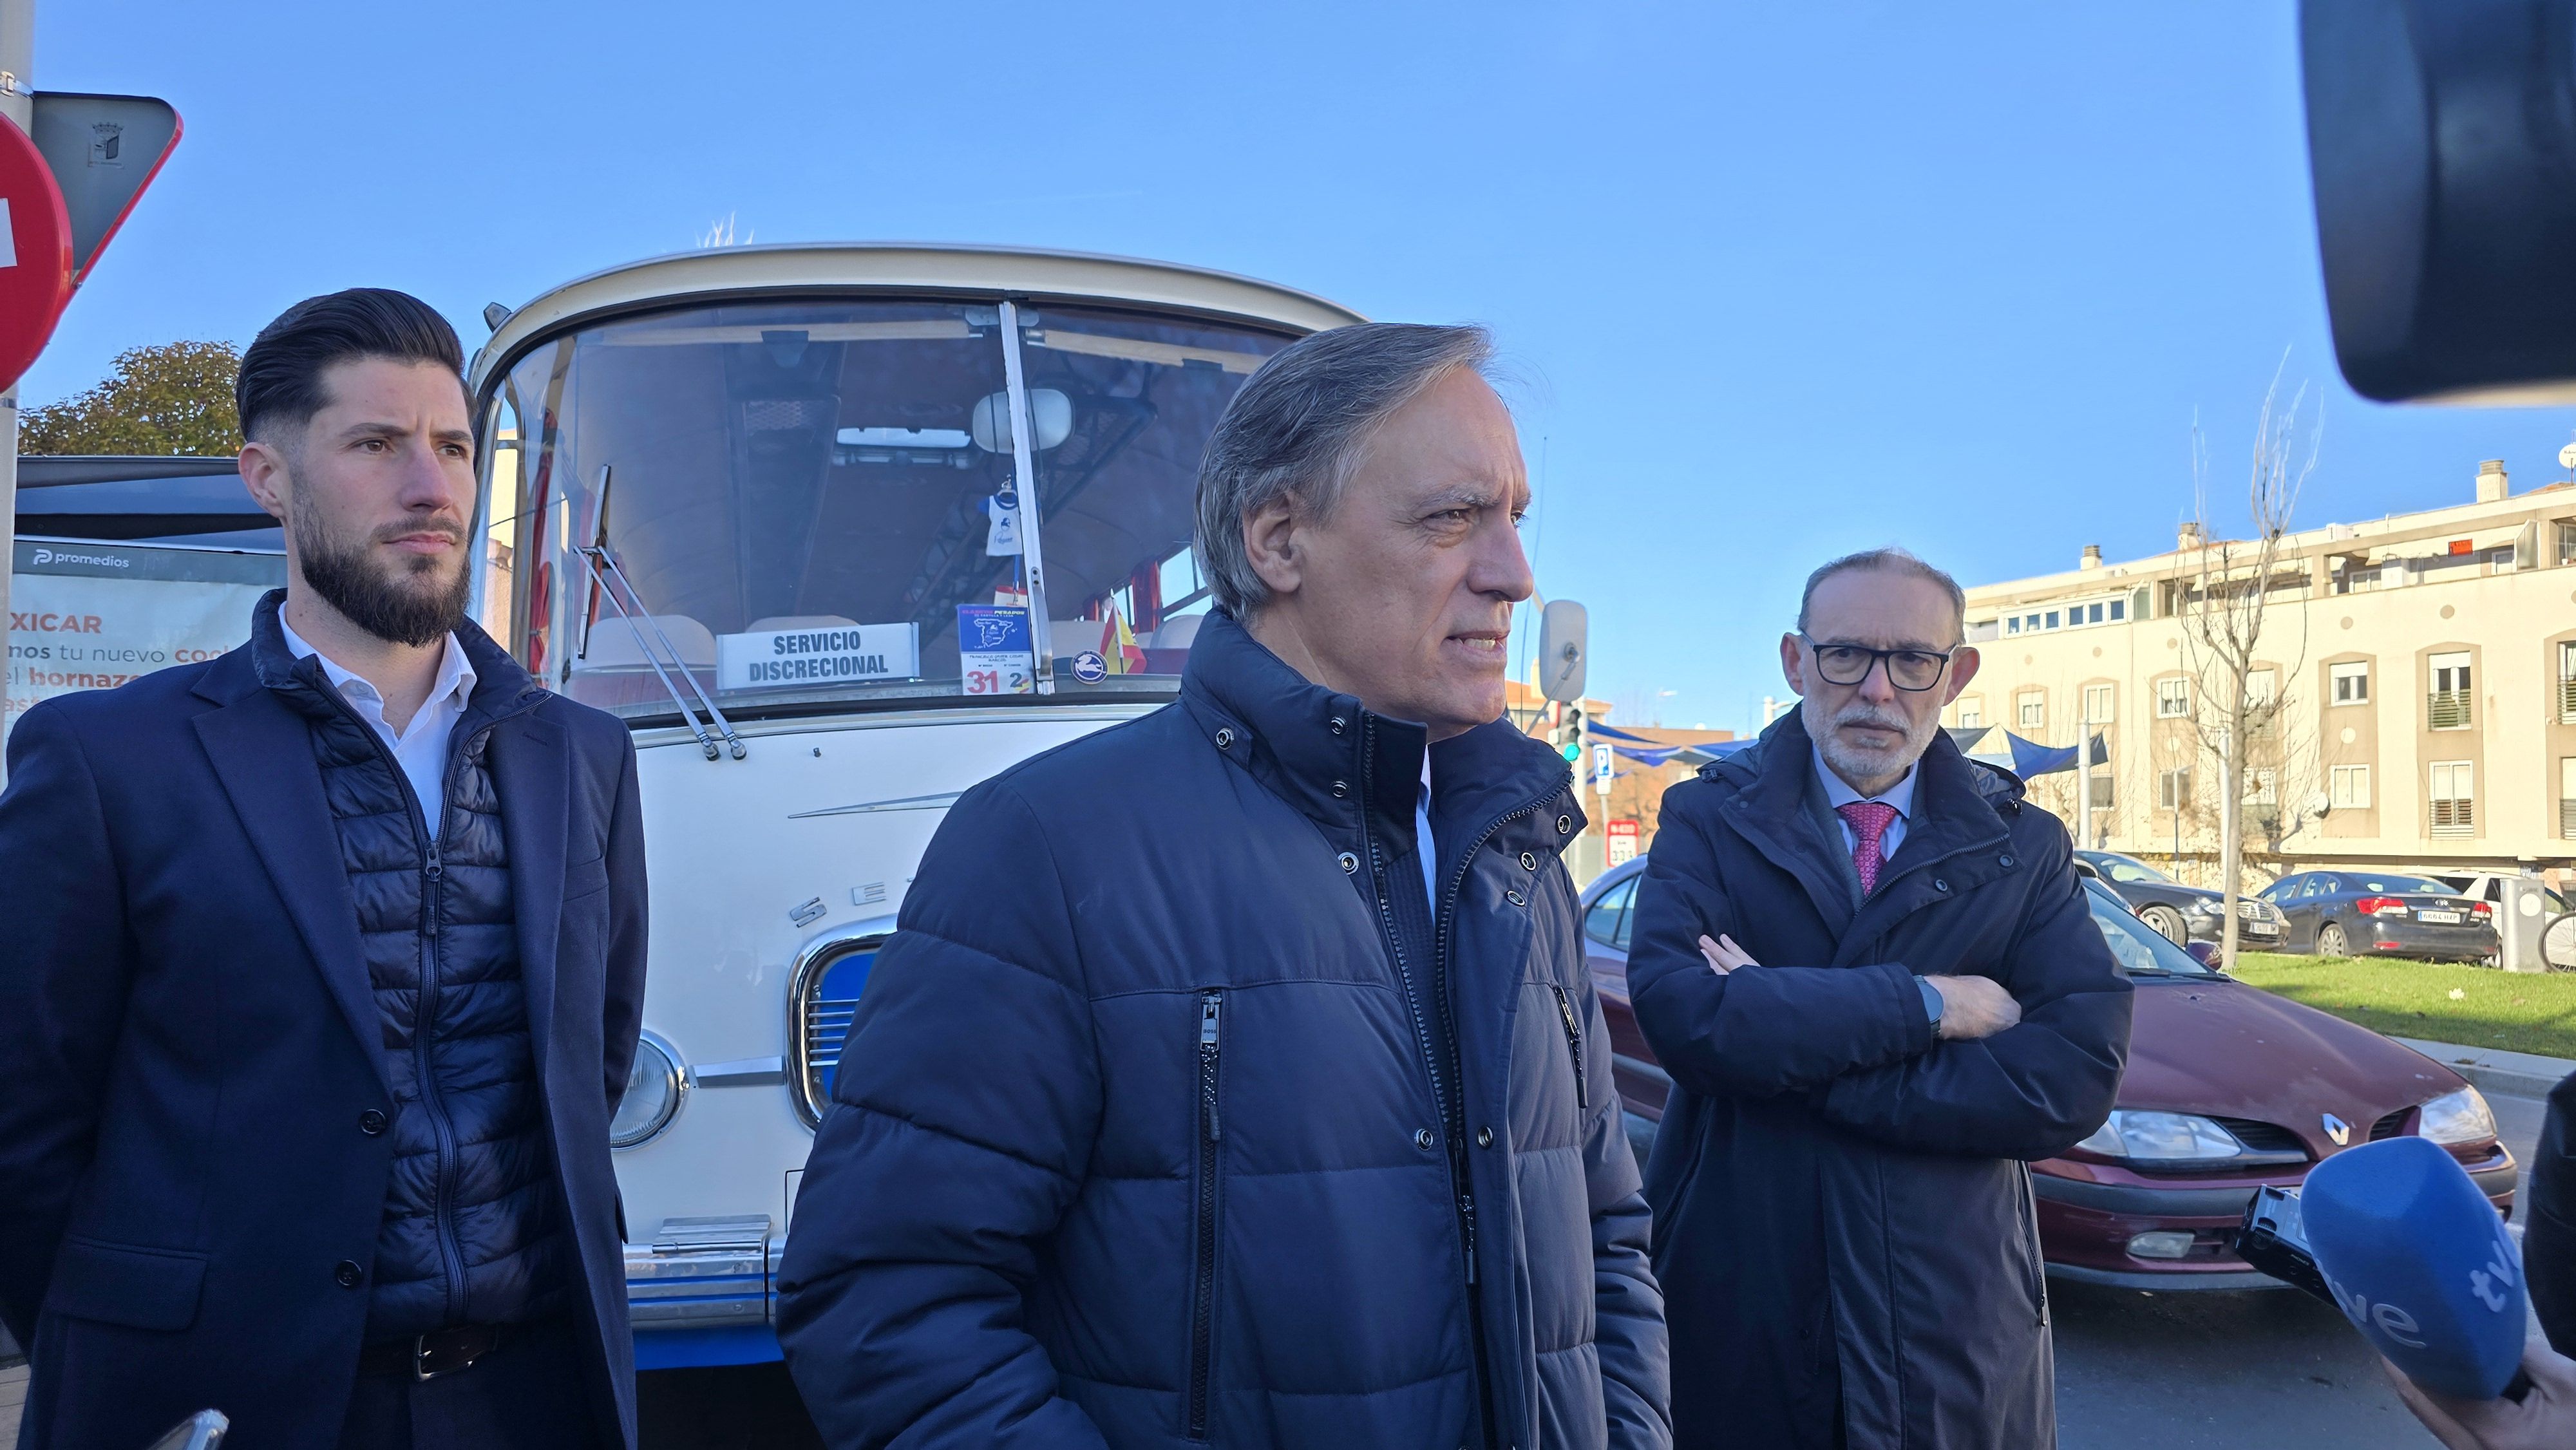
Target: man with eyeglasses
{"x": 1870, "y": 969}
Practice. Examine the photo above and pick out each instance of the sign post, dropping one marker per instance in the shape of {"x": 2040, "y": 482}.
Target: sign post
{"x": 1601, "y": 771}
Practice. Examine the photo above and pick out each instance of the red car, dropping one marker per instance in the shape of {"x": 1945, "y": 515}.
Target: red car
{"x": 2228, "y": 1088}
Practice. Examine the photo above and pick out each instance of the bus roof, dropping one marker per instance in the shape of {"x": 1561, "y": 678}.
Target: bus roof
{"x": 902, "y": 267}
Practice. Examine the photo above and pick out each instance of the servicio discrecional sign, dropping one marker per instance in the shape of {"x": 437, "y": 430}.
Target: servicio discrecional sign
{"x": 841, "y": 654}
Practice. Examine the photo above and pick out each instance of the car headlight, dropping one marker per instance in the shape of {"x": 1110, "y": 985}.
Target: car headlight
{"x": 2204, "y": 907}
{"x": 2460, "y": 1117}
{"x": 654, "y": 1087}
{"x": 2162, "y": 1137}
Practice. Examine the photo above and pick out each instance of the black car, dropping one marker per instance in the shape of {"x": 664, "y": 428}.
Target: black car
{"x": 2182, "y": 914}
{"x": 2382, "y": 913}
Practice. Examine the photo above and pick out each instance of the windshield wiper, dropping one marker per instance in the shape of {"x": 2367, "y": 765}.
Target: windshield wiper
{"x": 603, "y": 569}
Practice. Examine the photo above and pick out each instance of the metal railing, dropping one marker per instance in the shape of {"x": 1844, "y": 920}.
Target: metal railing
{"x": 2450, "y": 710}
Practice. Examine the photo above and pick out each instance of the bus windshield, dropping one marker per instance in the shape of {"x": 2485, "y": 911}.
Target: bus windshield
{"x": 815, "y": 501}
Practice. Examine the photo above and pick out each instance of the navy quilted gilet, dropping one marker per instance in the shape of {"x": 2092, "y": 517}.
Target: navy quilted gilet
{"x": 474, "y": 1230}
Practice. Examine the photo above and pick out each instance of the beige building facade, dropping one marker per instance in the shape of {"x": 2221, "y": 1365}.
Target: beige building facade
{"x": 2415, "y": 684}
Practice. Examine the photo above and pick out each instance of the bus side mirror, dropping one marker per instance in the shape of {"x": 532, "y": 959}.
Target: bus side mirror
{"x": 1561, "y": 631}
{"x": 2444, "y": 157}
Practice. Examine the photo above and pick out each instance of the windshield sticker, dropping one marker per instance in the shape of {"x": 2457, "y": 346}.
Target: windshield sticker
{"x": 993, "y": 652}
{"x": 769, "y": 659}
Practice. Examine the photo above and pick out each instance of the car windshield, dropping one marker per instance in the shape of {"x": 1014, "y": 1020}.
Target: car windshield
{"x": 817, "y": 501}
{"x": 2138, "y": 947}
{"x": 2397, "y": 885}
{"x": 2121, "y": 868}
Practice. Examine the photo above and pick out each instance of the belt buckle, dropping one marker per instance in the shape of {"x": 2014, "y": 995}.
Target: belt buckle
{"x": 421, "y": 1373}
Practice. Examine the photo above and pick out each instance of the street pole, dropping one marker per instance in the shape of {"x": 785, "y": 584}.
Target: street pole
{"x": 17, "y": 104}
{"x": 2084, "y": 778}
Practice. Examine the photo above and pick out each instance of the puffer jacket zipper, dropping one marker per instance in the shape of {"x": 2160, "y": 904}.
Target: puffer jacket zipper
{"x": 1203, "y": 1264}
{"x": 1574, "y": 1046}
{"x": 433, "y": 871}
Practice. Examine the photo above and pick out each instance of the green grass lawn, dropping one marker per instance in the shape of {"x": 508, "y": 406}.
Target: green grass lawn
{"x": 2472, "y": 1006}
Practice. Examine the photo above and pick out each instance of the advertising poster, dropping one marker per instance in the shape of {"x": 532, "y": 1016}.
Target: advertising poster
{"x": 91, "y": 616}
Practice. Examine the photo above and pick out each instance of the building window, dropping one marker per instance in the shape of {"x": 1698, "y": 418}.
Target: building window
{"x": 2119, "y": 610}
{"x": 2097, "y": 704}
{"x": 2052, "y": 619}
{"x": 2262, "y": 785}
{"x": 2454, "y": 794}
{"x": 2262, "y": 688}
{"x": 2449, "y": 704}
{"x": 2567, "y": 682}
{"x": 2101, "y": 789}
{"x": 2350, "y": 682}
{"x": 2567, "y": 541}
{"x": 2348, "y": 787}
{"x": 2173, "y": 790}
{"x": 2029, "y": 623}
{"x": 2567, "y": 793}
{"x": 2173, "y": 698}
{"x": 1972, "y": 711}
{"x": 2033, "y": 705}
{"x": 2013, "y": 625}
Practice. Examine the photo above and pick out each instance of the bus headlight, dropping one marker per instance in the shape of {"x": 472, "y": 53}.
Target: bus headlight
{"x": 654, "y": 1087}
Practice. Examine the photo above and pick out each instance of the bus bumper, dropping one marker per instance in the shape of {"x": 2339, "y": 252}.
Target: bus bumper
{"x": 704, "y": 1291}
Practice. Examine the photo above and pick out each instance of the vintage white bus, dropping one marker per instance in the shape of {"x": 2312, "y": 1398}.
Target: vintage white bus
{"x": 841, "y": 531}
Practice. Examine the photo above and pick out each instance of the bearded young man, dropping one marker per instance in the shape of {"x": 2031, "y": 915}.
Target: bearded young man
{"x": 322, "y": 977}
{"x": 1870, "y": 969}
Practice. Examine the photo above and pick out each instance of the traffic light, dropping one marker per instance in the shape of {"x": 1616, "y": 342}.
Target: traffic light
{"x": 1569, "y": 737}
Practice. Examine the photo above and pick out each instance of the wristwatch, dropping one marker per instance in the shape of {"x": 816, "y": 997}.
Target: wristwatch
{"x": 1931, "y": 1003}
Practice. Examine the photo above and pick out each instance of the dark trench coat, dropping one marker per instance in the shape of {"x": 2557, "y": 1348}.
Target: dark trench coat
{"x": 1843, "y": 1218}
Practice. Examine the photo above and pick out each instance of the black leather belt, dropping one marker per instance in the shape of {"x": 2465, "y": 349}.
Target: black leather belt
{"x": 428, "y": 1356}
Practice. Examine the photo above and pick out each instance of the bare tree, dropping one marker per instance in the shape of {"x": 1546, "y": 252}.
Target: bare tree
{"x": 2223, "y": 594}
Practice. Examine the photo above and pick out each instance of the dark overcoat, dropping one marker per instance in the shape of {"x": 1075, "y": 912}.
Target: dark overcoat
{"x": 1843, "y": 1218}
{"x": 193, "y": 1078}
{"x": 1138, "y": 1137}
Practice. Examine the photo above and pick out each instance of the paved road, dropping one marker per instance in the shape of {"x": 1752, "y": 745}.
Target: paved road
{"x": 2270, "y": 1368}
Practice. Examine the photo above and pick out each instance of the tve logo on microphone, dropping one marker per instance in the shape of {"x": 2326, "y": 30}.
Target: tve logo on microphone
{"x": 2419, "y": 1261}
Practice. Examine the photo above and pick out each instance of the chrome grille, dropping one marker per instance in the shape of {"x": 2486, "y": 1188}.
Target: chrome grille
{"x": 821, "y": 1008}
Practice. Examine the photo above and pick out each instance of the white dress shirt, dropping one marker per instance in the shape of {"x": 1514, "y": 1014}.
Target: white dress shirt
{"x": 1838, "y": 793}
{"x": 420, "y": 747}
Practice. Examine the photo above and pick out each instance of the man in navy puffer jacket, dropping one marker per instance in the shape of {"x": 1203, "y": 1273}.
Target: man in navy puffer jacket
{"x": 1236, "y": 1077}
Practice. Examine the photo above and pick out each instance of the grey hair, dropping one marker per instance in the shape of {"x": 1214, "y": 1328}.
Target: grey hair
{"x": 1890, "y": 560}
{"x": 1297, "y": 427}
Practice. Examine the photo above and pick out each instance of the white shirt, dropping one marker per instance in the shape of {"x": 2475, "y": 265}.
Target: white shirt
{"x": 1838, "y": 793}
{"x": 1422, "y": 836}
{"x": 420, "y": 747}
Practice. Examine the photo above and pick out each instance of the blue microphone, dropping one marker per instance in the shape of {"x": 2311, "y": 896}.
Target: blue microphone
{"x": 2420, "y": 1263}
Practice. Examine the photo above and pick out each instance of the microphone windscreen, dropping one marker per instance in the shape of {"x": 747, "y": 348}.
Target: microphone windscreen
{"x": 2419, "y": 1261}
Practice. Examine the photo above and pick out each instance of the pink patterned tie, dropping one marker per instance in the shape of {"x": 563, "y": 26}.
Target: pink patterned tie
{"x": 1869, "y": 822}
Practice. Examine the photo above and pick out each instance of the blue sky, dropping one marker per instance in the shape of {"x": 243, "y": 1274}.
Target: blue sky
{"x": 1785, "y": 280}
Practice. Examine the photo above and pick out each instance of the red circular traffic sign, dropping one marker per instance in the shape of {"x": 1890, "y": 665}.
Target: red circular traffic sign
{"x": 35, "y": 253}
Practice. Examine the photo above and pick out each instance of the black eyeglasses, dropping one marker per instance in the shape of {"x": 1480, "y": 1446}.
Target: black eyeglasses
{"x": 1907, "y": 669}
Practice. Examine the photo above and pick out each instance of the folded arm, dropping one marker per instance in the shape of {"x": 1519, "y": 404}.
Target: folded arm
{"x": 65, "y": 966}
{"x": 1781, "y": 1029}
{"x": 2032, "y": 1090}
